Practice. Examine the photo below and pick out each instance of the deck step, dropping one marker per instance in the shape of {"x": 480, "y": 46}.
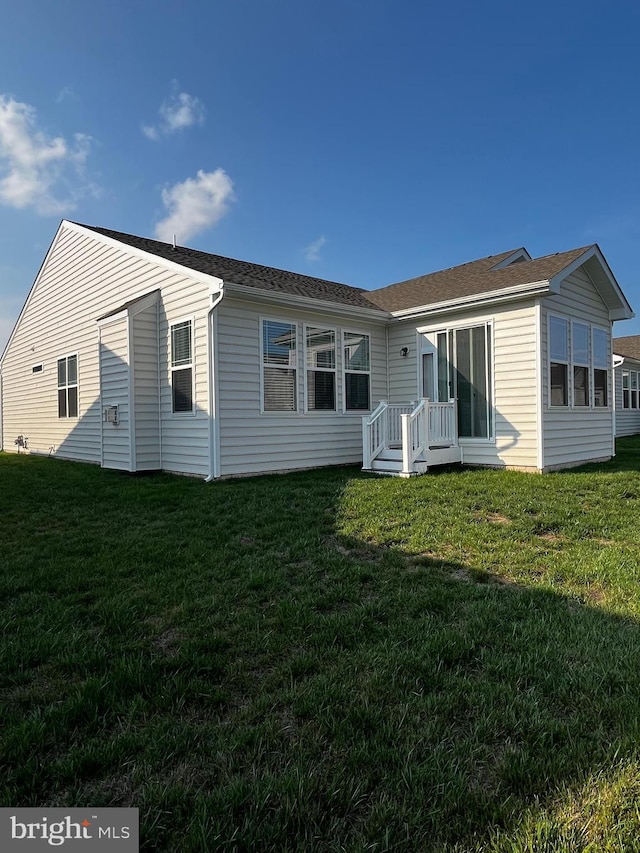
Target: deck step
{"x": 393, "y": 467}
{"x": 389, "y": 461}
{"x": 443, "y": 455}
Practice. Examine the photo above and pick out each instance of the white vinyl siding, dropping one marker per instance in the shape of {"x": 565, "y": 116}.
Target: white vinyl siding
{"x": 255, "y": 442}
{"x": 627, "y": 417}
{"x": 146, "y": 384}
{"x": 115, "y": 390}
{"x": 514, "y": 395}
{"x": 575, "y": 434}
{"x": 81, "y": 280}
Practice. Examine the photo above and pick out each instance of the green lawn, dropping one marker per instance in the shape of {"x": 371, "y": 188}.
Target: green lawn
{"x": 328, "y": 660}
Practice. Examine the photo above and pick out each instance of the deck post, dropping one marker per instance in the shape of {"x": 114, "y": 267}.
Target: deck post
{"x": 407, "y": 465}
{"x": 366, "y": 444}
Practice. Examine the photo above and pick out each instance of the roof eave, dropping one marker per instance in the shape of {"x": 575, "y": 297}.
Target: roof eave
{"x": 505, "y": 294}
{"x": 619, "y": 307}
{"x": 297, "y": 301}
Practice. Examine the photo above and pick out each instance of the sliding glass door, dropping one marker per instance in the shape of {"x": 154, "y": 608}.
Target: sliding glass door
{"x": 456, "y": 363}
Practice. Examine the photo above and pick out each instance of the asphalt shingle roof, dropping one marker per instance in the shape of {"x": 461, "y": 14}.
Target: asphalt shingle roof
{"x": 466, "y": 280}
{"x": 628, "y": 346}
{"x": 471, "y": 279}
{"x": 244, "y": 272}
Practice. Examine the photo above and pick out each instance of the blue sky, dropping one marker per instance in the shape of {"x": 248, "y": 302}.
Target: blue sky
{"x": 364, "y": 141}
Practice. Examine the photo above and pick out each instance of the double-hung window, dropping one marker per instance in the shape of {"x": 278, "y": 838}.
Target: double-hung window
{"x": 68, "y": 387}
{"x": 581, "y": 362}
{"x": 357, "y": 371}
{"x": 600, "y": 367}
{"x": 559, "y": 360}
{"x": 182, "y": 367}
{"x": 321, "y": 369}
{"x": 626, "y": 389}
{"x": 630, "y": 383}
{"x": 279, "y": 366}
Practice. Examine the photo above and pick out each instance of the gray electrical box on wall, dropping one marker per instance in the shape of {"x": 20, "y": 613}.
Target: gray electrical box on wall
{"x": 111, "y": 414}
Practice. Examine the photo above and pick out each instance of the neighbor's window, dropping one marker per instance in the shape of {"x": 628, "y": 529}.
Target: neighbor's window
{"x": 182, "y": 367}
{"x": 559, "y": 361}
{"x": 580, "y": 353}
{"x": 279, "y": 366}
{"x": 321, "y": 369}
{"x": 626, "y": 388}
{"x": 357, "y": 372}
{"x": 68, "y": 387}
{"x": 634, "y": 389}
{"x": 600, "y": 367}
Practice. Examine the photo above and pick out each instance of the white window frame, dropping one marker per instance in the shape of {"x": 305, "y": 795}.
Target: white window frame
{"x": 626, "y": 374}
{"x": 634, "y": 393}
{"x": 279, "y": 412}
{"x": 191, "y": 366}
{"x": 334, "y": 369}
{"x": 572, "y": 362}
{"x": 552, "y": 360}
{"x": 345, "y": 410}
{"x": 75, "y": 385}
{"x": 606, "y": 366}
{"x": 584, "y": 364}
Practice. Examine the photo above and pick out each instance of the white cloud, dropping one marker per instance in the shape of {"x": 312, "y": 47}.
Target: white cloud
{"x": 150, "y": 132}
{"x": 179, "y": 111}
{"x": 195, "y": 205}
{"x": 35, "y": 169}
{"x": 312, "y": 251}
{"x": 64, "y": 93}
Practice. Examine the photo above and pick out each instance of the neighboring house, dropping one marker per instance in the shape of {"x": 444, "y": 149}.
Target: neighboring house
{"x": 626, "y": 362}
{"x": 139, "y": 355}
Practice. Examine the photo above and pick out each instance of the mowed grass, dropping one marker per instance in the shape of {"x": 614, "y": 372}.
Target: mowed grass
{"x": 327, "y": 660}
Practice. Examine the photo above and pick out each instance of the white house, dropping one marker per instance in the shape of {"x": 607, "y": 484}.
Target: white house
{"x": 626, "y": 362}
{"x": 139, "y": 355}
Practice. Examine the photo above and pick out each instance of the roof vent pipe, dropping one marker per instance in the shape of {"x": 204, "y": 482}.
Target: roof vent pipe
{"x": 174, "y": 241}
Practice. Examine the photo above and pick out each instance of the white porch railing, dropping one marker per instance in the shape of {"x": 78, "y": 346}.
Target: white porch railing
{"x": 414, "y": 435}
{"x": 374, "y": 433}
{"x": 443, "y": 424}
{"x": 413, "y": 427}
